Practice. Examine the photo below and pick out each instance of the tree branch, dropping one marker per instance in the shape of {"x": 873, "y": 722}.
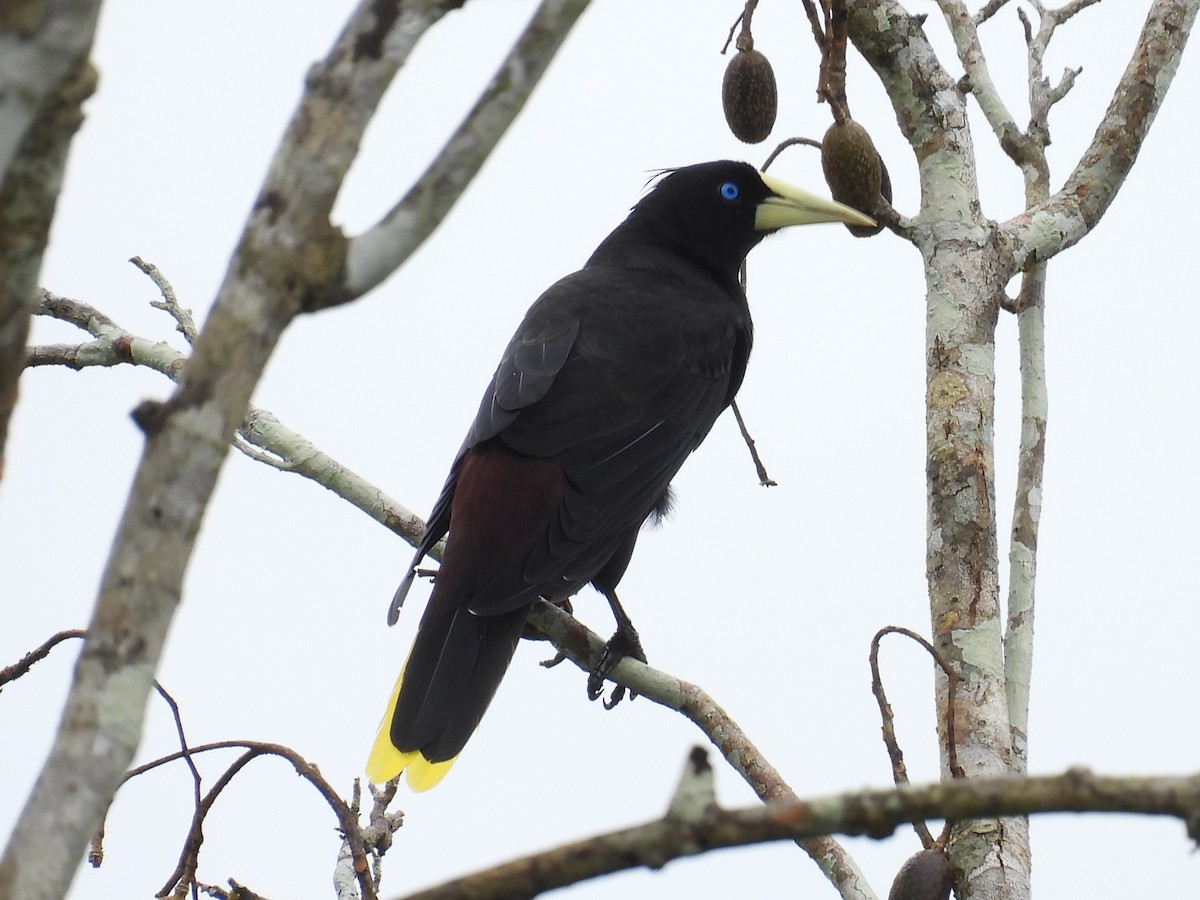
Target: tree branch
{"x": 928, "y": 104}
{"x": 282, "y": 447}
{"x": 44, "y": 79}
{"x": 22, "y": 666}
{"x": 872, "y": 813}
{"x": 1027, "y": 507}
{"x": 979, "y": 78}
{"x": 1063, "y": 219}
{"x": 42, "y": 44}
{"x": 584, "y": 648}
{"x": 378, "y": 252}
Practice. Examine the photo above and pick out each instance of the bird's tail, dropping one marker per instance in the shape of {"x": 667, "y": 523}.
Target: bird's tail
{"x": 452, "y": 672}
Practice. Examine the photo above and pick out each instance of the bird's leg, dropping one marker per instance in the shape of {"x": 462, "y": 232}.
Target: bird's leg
{"x": 625, "y": 642}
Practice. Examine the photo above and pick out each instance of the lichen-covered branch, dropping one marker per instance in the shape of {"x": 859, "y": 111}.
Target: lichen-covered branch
{"x": 44, "y": 45}
{"x": 1027, "y": 508}
{"x": 979, "y": 77}
{"x": 44, "y": 79}
{"x": 1070, "y": 213}
{"x": 873, "y": 813}
{"x": 277, "y": 445}
{"x": 375, "y": 254}
{"x": 584, "y": 648}
{"x": 928, "y": 104}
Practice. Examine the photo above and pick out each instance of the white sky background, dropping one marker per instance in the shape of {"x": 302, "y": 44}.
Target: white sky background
{"x": 767, "y": 598}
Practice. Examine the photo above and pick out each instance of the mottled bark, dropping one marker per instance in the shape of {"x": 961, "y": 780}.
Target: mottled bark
{"x": 968, "y": 260}
{"x": 45, "y": 78}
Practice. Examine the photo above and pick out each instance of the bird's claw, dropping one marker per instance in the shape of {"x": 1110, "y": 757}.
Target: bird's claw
{"x": 622, "y": 644}
{"x": 554, "y": 660}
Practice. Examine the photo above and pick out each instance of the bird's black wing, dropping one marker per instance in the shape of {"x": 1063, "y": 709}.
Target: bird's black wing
{"x": 652, "y": 360}
{"x": 619, "y": 374}
{"x": 532, "y": 361}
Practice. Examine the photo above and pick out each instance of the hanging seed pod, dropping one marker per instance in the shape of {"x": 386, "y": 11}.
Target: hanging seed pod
{"x": 854, "y": 171}
{"x": 926, "y": 875}
{"x": 748, "y": 94}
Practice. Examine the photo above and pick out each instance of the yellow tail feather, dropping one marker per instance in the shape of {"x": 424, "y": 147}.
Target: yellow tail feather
{"x": 386, "y": 762}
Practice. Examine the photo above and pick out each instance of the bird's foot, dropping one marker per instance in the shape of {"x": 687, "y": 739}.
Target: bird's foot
{"x": 624, "y": 643}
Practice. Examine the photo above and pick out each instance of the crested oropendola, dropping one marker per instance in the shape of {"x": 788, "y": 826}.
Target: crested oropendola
{"x": 615, "y": 375}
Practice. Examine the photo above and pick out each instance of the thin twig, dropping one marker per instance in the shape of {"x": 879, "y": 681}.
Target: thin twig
{"x": 347, "y": 821}
{"x": 198, "y": 800}
{"x": 789, "y": 142}
{"x": 763, "y": 478}
{"x": 895, "y": 754}
{"x": 956, "y": 770}
{"x": 189, "y": 856}
{"x": 743, "y": 19}
{"x": 814, "y": 21}
{"x": 36, "y": 655}
{"x": 732, "y": 29}
{"x": 831, "y": 84}
{"x": 899, "y": 771}
{"x": 184, "y": 323}
{"x": 988, "y": 10}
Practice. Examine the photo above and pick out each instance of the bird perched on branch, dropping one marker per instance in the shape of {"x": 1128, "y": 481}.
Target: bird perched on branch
{"x": 614, "y": 377}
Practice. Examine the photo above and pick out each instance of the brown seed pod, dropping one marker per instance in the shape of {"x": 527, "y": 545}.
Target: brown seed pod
{"x": 749, "y": 96}
{"x": 855, "y": 172}
{"x": 926, "y": 875}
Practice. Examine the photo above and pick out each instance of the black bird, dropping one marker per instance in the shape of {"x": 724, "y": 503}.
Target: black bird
{"x": 616, "y": 374}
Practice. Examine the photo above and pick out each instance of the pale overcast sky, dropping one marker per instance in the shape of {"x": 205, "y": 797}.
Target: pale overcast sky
{"x": 767, "y": 598}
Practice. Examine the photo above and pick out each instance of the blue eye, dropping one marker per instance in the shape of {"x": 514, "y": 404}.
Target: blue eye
{"x": 730, "y": 191}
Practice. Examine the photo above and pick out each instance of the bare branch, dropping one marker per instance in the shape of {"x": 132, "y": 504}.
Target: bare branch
{"x": 988, "y": 10}
{"x": 1041, "y": 96}
{"x": 1063, "y": 219}
{"x": 184, "y": 873}
{"x": 872, "y": 813}
{"x": 763, "y": 478}
{"x": 375, "y": 254}
{"x": 970, "y": 53}
{"x": 964, "y": 279}
{"x": 575, "y": 642}
{"x": 1068, "y": 10}
{"x": 261, "y": 435}
{"x": 42, "y": 45}
{"x": 1064, "y": 85}
{"x": 184, "y": 323}
{"x": 816, "y": 23}
{"x": 1027, "y": 506}
{"x": 44, "y": 79}
{"x": 36, "y": 655}
{"x": 929, "y": 108}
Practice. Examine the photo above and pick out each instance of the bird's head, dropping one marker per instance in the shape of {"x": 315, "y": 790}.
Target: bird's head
{"x": 718, "y": 211}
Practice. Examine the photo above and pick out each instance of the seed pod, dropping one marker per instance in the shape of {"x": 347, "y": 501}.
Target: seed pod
{"x": 749, "y": 96}
{"x": 854, "y": 171}
{"x": 927, "y": 875}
